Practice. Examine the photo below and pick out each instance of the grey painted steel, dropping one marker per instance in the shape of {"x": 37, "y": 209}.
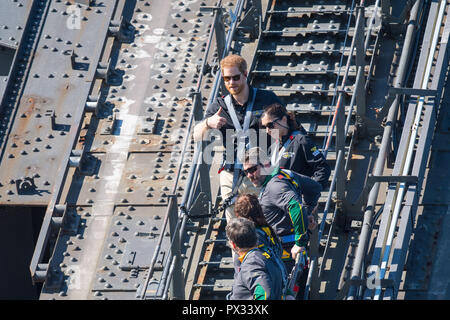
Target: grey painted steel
{"x": 35, "y": 147}
{"x": 130, "y": 257}
{"x": 380, "y": 246}
{"x": 12, "y": 89}
{"x": 16, "y": 19}
{"x": 379, "y": 164}
{"x": 418, "y": 168}
{"x": 133, "y": 179}
{"x": 338, "y": 180}
{"x": 84, "y": 87}
{"x": 13, "y": 18}
{"x": 182, "y": 157}
{"x": 191, "y": 185}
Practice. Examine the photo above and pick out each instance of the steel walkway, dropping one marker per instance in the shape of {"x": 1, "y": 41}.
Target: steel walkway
{"x": 100, "y": 179}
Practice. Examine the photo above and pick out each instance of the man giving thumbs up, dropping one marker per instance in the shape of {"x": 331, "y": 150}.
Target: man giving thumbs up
{"x": 239, "y": 112}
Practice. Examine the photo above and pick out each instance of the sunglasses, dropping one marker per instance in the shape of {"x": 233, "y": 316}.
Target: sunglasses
{"x": 251, "y": 169}
{"x": 270, "y": 125}
{"x": 236, "y": 77}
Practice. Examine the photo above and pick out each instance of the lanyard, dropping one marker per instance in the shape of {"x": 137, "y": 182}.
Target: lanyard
{"x": 248, "y": 113}
{"x": 276, "y": 155}
{"x": 241, "y": 133}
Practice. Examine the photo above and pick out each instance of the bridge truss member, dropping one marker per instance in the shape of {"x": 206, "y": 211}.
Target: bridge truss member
{"x": 235, "y": 116}
{"x": 286, "y": 199}
{"x": 259, "y": 276}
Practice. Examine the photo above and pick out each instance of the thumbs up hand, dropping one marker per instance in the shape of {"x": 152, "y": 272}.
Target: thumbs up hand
{"x": 216, "y": 121}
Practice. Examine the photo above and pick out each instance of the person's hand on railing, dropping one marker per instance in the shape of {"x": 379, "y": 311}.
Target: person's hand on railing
{"x": 312, "y": 224}
{"x": 296, "y": 250}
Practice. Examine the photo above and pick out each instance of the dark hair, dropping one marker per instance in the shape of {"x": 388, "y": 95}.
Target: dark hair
{"x": 276, "y": 110}
{"x": 242, "y": 233}
{"x": 247, "y": 206}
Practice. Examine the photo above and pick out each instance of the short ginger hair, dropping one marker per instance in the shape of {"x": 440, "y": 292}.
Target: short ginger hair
{"x": 234, "y": 60}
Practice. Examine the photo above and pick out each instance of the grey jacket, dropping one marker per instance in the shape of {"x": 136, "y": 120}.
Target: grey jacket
{"x": 286, "y": 198}
{"x": 259, "y": 277}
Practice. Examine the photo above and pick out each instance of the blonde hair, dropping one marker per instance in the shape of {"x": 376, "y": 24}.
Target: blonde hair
{"x": 234, "y": 60}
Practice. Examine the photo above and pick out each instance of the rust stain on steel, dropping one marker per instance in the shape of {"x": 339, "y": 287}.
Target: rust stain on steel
{"x": 30, "y": 105}
{"x": 184, "y": 102}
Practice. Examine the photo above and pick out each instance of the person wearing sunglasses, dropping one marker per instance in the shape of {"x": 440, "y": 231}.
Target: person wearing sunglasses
{"x": 286, "y": 199}
{"x": 235, "y": 115}
{"x": 293, "y": 149}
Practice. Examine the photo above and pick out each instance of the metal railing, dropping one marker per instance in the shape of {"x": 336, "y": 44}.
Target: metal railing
{"x": 356, "y": 274}
{"x": 402, "y": 200}
{"x": 338, "y": 180}
{"x": 172, "y": 283}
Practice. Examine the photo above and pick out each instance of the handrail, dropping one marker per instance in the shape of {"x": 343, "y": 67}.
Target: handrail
{"x": 406, "y": 163}
{"x": 192, "y": 181}
{"x": 340, "y": 154}
{"x": 379, "y": 164}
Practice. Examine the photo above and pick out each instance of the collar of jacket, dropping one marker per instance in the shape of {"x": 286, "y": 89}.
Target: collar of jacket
{"x": 274, "y": 172}
{"x": 286, "y": 137}
{"x": 242, "y": 256}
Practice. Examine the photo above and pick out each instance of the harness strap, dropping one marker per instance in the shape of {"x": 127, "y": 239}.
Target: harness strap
{"x": 241, "y": 133}
{"x": 277, "y": 154}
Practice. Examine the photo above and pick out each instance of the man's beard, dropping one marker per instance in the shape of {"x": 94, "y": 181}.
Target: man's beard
{"x": 236, "y": 90}
{"x": 257, "y": 182}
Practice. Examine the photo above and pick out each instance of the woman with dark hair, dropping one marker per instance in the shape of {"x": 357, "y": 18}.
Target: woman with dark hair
{"x": 293, "y": 150}
{"x": 247, "y": 206}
